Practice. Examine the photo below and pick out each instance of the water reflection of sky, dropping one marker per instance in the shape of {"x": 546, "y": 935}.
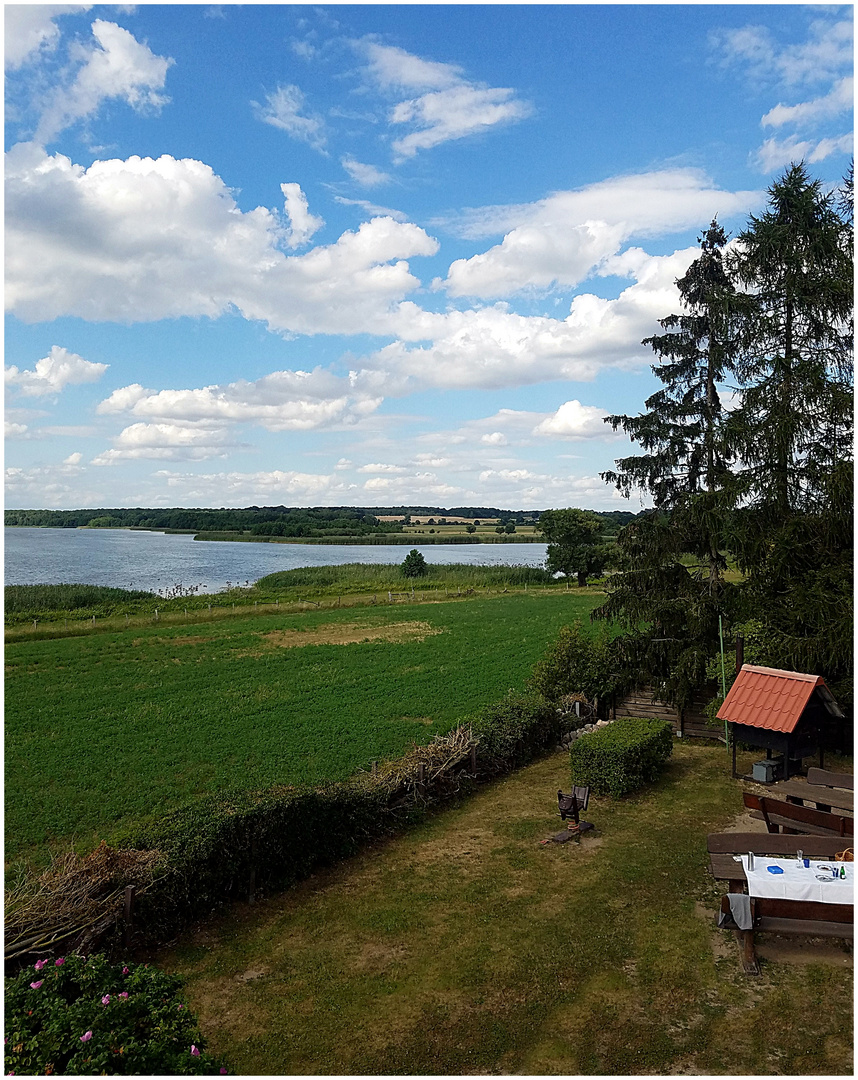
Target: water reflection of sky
{"x": 156, "y": 561}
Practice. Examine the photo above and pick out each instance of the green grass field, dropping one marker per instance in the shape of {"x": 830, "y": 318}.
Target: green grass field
{"x": 465, "y": 948}
{"x": 109, "y": 727}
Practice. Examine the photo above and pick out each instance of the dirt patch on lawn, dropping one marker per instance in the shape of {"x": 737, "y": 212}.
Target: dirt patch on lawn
{"x": 351, "y": 634}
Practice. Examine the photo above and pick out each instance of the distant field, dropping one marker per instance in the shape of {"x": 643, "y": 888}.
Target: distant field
{"x": 105, "y": 728}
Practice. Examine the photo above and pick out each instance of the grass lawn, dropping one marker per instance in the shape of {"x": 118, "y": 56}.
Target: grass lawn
{"x": 464, "y": 947}
{"x": 111, "y": 726}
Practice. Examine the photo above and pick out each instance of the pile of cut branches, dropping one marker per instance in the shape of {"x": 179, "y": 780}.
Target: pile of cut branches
{"x": 441, "y": 772}
{"x": 74, "y": 901}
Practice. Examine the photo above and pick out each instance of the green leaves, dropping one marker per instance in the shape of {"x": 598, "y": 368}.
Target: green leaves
{"x": 414, "y": 564}
{"x": 574, "y": 543}
{"x": 769, "y": 478}
{"x": 621, "y": 757}
{"x": 88, "y": 1016}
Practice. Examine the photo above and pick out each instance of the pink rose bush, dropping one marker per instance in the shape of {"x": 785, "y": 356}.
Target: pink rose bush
{"x": 92, "y": 1017}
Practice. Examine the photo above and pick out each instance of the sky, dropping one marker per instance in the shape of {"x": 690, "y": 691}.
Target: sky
{"x": 374, "y": 255}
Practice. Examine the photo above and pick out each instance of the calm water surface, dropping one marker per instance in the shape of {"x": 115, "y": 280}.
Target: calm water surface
{"x": 153, "y": 561}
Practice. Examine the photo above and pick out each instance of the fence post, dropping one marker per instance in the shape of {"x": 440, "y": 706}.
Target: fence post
{"x": 474, "y": 760}
{"x": 421, "y": 777}
{"x": 35, "y": 623}
{"x": 128, "y": 914}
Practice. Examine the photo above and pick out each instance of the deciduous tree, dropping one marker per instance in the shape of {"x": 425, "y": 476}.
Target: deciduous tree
{"x": 574, "y": 543}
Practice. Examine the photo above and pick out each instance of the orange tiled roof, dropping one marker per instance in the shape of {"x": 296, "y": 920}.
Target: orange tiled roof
{"x": 768, "y": 697}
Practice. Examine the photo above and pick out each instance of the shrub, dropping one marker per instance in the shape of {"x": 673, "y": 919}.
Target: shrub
{"x": 621, "y": 757}
{"x": 82, "y": 1016}
{"x": 414, "y": 565}
{"x": 514, "y": 730}
{"x": 579, "y": 663}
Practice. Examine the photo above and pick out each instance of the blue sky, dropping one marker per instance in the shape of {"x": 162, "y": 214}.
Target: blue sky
{"x": 374, "y": 255}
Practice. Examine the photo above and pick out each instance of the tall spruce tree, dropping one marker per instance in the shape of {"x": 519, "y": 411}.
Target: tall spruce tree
{"x": 686, "y": 470}
{"x": 681, "y": 431}
{"x": 795, "y": 351}
{"x": 793, "y": 428}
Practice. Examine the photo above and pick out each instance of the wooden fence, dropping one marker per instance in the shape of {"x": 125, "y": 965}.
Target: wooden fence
{"x": 689, "y": 722}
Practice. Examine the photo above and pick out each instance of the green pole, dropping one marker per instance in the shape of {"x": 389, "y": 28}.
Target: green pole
{"x": 723, "y": 677}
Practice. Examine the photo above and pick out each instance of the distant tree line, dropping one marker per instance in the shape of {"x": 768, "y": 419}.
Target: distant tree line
{"x": 257, "y": 520}
{"x": 284, "y": 521}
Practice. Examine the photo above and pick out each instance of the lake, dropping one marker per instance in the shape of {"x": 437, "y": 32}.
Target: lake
{"x": 156, "y": 561}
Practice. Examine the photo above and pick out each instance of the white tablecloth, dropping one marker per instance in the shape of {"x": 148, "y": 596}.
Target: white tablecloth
{"x": 798, "y": 882}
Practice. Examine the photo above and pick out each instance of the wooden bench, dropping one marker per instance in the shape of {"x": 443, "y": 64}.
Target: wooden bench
{"x": 824, "y": 778}
{"x": 781, "y": 816}
{"x": 804, "y": 917}
{"x": 824, "y": 798}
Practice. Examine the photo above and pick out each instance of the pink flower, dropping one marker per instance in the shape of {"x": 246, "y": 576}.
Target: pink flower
{"x": 36, "y": 985}
{"x": 126, "y": 971}
{"x": 194, "y": 1051}
{"x": 123, "y": 994}
{"x": 60, "y": 962}
{"x": 181, "y": 1006}
{"x": 86, "y": 1037}
{"x": 40, "y": 964}
{"x": 106, "y": 999}
{"x": 222, "y": 1071}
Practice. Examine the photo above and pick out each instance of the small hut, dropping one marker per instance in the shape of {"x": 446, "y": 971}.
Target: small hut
{"x": 784, "y": 712}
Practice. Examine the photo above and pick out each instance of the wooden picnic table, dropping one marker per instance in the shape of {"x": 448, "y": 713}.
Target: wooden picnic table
{"x": 823, "y": 797}
{"x": 723, "y": 846}
{"x": 804, "y": 917}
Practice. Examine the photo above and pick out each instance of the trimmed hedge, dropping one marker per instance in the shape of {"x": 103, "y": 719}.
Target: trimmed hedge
{"x": 213, "y": 848}
{"x": 513, "y": 731}
{"x": 621, "y": 757}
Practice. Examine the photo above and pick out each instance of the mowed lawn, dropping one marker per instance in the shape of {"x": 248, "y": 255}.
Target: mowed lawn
{"x": 108, "y": 727}
{"x": 465, "y": 947}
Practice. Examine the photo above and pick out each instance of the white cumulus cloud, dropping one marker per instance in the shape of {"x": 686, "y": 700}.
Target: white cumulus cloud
{"x": 144, "y": 239}
{"x": 778, "y": 153}
{"x": 574, "y": 421}
{"x": 302, "y": 224}
{"x": 493, "y": 347}
{"x": 281, "y": 401}
{"x": 30, "y": 29}
{"x": 116, "y": 66}
{"x": 53, "y": 373}
{"x": 166, "y": 442}
{"x": 561, "y": 239}
{"x": 454, "y": 113}
{"x": 838, "y": 100}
